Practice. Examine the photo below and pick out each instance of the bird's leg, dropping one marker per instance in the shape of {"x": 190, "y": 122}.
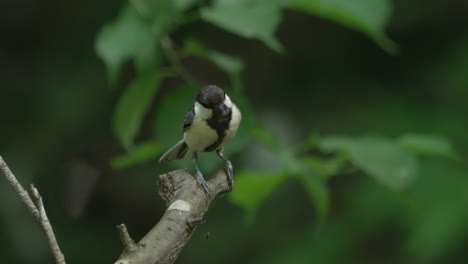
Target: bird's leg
{"x": 228, "y": 167}
{"x": 199, "y": 176}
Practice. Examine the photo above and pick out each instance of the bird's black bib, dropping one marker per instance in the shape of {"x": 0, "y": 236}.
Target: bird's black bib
{"x": 219, "y": 121}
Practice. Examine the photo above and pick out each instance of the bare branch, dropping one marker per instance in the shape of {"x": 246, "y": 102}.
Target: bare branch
{"x": 23, "y": 194}
{"x": 187, "y": 204}
{"x": 36, "y": 209}
{"x": 127, "y": 241}
{"x": 47, "y": 227}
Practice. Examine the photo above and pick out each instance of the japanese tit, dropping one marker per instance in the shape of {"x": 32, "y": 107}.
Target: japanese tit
{"x": 210, "y": 124}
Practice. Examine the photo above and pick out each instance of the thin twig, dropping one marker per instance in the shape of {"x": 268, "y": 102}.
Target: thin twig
{"x": 36, "y": 209}
{"x": 47, "y": 227}
{"x": 23, "y": 194}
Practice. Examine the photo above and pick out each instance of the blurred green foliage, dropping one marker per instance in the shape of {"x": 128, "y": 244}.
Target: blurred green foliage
{"x": 327, "y": 99}
{"x": 387, "y": 161}
{"x": 367, "y": 16}
{"x": 132, "y": 107}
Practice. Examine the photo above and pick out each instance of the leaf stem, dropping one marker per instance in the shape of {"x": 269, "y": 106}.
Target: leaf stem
{"x": 173, "y": 57}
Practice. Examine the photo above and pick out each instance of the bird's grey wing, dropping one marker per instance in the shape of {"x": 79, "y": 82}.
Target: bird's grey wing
{"x": 178, "y": 151}
{"x": 189, "y": 118}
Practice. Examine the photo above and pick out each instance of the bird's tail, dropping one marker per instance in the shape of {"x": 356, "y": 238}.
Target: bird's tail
{"x": 178, "y": 151}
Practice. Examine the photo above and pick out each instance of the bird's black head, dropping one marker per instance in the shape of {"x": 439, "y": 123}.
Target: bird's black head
{"x": 210, "y": 96}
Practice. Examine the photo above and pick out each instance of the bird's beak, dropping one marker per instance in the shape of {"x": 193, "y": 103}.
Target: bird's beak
{"x": 221, "y": 108}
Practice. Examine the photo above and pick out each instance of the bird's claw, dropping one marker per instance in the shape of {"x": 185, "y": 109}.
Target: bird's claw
{"x": 230, "y": 174}
{"x": 201, "y": 181}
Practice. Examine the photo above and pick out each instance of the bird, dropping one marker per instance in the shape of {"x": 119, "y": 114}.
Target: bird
{"x": 209, "y": 125}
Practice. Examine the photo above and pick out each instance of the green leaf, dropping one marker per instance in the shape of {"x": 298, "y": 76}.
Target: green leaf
{"x": 140, "y": 154}
{"x": 194, "y": 47}
{"x": 367, "y": 16}
{"x": 438, "y": 215}
{"x": 148, "y": 57}
{"x": 333, "y": 143}
{"x": 311, "y": 178}
{"x": 428, "y": 145}
{"x": 326, "y": 168}
{"x": 291, "y": 163}
{"x": 121, "y": 40}
{"x": 233, "y": 66}
{"x": 265, "y": 137}
{"x": 318, "y": 193}
{"x": 163, "y": 14}
{"x": 132, "y": 107}
{"x": 135, "y": 34}
{"x": 250, "y": 19}
{"x": 252, "y": 188}
{"x": 229, "y": 64}
{"x": 385, "y": 160}
{"x": 313, "y": 140}
{"x": 183, "y": 5}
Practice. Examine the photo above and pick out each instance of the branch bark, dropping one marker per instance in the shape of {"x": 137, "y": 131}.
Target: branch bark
{"x": 187, "y": 204}
{"x": 37, "y": 210}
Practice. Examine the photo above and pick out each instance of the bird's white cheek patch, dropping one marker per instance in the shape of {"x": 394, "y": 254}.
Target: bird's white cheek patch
{"x": 123, "y": 261}
{"x": 179, "y": 205}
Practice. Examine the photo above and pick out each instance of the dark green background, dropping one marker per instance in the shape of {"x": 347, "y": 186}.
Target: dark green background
{"x": 55, "y": 132}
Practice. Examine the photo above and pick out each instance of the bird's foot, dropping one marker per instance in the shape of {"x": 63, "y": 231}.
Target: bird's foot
{"x": 201, "y": 181}
{"x": 230, "y": 174}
